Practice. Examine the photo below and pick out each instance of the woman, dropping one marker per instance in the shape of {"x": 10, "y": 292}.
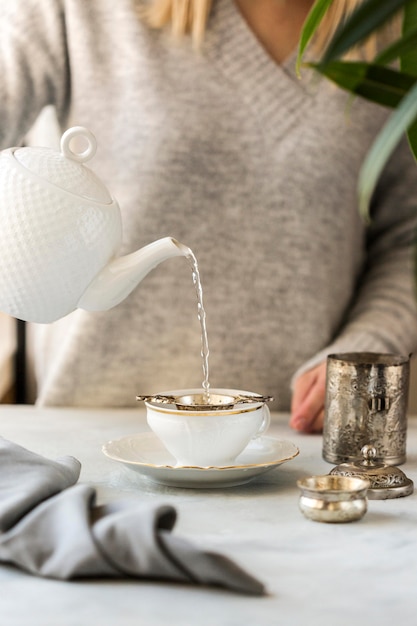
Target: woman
{"x": 214, "y": 140}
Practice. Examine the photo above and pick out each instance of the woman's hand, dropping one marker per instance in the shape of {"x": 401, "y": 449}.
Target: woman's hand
{"x": 307, "y": 407}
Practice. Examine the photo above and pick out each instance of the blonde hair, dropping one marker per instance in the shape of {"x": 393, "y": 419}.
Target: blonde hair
{"x": 189, "y": 17}
{"x": 184, "y": 16}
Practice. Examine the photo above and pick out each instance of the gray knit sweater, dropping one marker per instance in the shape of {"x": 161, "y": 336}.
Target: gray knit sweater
{"x": 234, "y": 156}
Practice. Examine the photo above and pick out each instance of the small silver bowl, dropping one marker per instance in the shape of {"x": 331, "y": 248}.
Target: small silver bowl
{"x": 332, "y": 498}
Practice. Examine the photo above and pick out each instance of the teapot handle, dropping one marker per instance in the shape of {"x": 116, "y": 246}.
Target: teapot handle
{"x": 86, "y": 136}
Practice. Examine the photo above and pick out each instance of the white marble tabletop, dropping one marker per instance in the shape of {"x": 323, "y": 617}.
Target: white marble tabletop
{"x": 316, "y": 574}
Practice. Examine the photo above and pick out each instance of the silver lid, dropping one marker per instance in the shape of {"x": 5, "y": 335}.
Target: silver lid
{"x": 386, "y": 481}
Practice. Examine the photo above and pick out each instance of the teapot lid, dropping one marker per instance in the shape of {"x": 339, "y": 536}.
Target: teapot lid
{"x": 386, "y": 481}
{"x": 65, "y": 169}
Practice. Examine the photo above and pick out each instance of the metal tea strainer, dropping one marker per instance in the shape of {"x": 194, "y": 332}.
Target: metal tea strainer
{"x": 204, "y": 401}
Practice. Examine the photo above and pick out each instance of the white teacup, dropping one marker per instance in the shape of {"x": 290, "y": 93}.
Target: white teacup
{"x": 205, "y": 438}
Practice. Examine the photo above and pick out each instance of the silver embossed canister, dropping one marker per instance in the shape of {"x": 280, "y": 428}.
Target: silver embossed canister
{"x": 366, "y": 403}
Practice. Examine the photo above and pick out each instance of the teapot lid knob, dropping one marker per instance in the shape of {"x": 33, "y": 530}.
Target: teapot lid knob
{"x": 86, "y": 137}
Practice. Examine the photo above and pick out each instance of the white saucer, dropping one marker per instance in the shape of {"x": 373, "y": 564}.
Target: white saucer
{"x": 145, "y": 453}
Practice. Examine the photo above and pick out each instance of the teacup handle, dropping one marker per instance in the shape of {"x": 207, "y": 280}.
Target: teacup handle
{"x": 266, "y": 421}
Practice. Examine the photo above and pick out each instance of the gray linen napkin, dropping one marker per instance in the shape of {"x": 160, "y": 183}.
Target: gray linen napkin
{"x": 51, "y": 527}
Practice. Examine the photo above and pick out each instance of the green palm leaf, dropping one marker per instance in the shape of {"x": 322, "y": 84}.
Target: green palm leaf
{"x": 403, "y": 47}
{"x": 409, "y": 61}
{"x": 366, "y": 19}
{"x": 374, "y": 81}
{"x": 371, "y": 81}
{"x": 311, "y": 23}
{"x": 409, "y": 56}
{"x": 382, "y": 148}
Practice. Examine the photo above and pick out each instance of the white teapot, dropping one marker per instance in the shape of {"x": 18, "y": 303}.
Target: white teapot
{"x": 60, "y": 231}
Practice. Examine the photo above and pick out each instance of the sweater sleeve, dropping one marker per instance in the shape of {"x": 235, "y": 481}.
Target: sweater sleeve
{"x": 33, "y": 64}
{"x": 383, "y": 315}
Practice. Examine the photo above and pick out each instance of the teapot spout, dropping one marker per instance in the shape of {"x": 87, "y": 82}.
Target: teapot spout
{"x": 120, "y": 277}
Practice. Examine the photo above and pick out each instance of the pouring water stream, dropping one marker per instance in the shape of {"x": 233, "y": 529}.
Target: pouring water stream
{"x": 201, "y": 314}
